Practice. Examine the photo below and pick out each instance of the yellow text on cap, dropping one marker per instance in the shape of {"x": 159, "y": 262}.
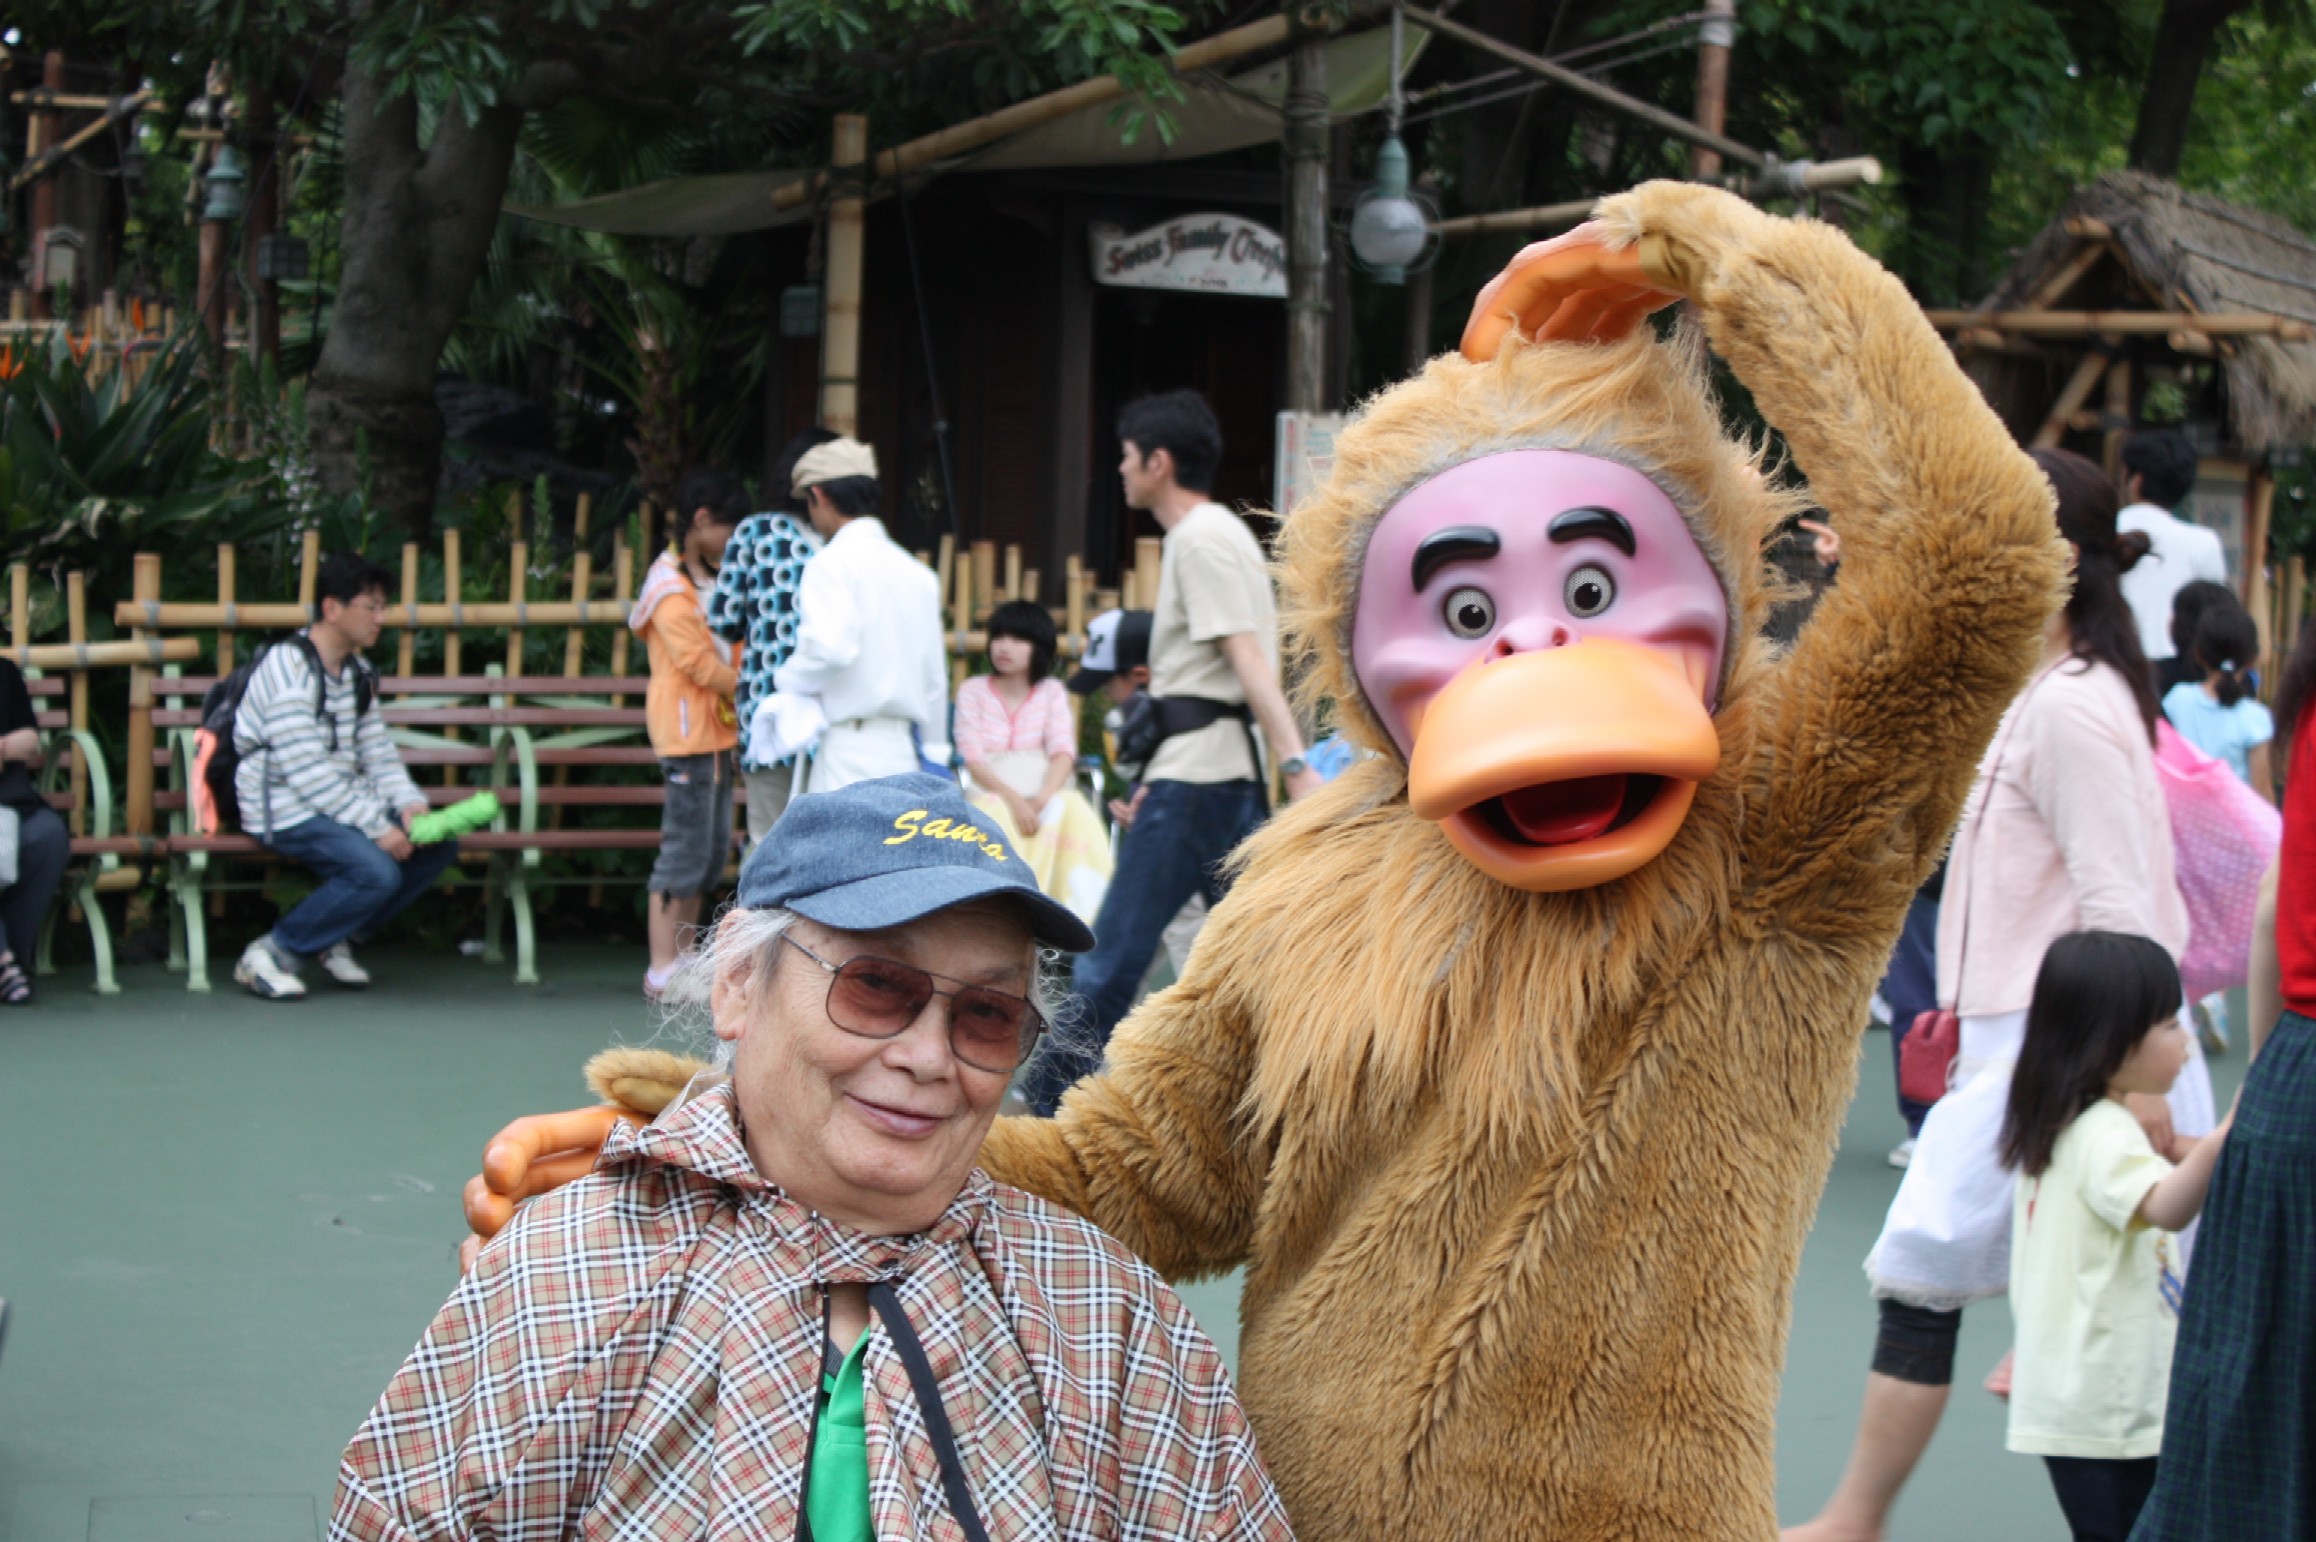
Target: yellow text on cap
{"x": 912, "y": 824}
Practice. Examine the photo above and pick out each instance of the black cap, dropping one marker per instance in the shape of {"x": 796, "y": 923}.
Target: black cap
{"x": 1116, "y": 641}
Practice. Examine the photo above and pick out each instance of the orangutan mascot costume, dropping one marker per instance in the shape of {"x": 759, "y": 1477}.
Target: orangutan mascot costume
{"x": 1511, "y": 1068}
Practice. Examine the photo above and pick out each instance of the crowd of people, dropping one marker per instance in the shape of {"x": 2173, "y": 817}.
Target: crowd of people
{"x": 2156, "y": 1253}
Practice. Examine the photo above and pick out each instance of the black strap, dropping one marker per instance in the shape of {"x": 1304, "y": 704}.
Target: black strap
{"x": 888, "y": 1308}
{"x": 912, "y": 1352}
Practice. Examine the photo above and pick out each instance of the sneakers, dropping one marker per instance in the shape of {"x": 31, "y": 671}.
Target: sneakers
{"x": 338, "y": 963}
{"x": 1902, "y": 1154}
{"x": 263, "y": 972}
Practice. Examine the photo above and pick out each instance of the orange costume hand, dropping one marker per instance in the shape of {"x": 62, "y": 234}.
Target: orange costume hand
{"x": 533, "y": 1155}
{"x": 1571, "y": 288}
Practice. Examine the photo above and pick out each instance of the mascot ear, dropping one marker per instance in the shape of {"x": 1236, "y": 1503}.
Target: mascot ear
{"x": 1573, "y": 288}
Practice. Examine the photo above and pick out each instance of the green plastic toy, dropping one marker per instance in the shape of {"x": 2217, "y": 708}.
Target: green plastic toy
{"x": 456, "y": 819}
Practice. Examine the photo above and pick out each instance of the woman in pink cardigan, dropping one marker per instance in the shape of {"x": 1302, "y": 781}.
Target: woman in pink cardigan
{"x": 2065, "y": 830}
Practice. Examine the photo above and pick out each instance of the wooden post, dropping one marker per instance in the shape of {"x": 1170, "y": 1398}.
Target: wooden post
{"x": 960, "y": 621}
{"x": 2295, "y": 607}
{"x": 1012, "y": 589}
{"x": 76, "y": 633}
{"x": 945, "y": 563}
{"x": 518, "y": 578}
{"x": 406, "y": 646}
{"x": 2071, "y": 396}
{"x": 309, "y": 570}
{"x": 984, "y": 578}
{"x": 228, "y": 555}
{"x": 2261, "y": 506}
{"x": 1149, "y": 557}
{"x": 19, "y": 605}
{"x": 840, "y": 326}
{"x": 2118, "y": 418}
{"x": 1306, "y": 142}
{"x": 453, "y": 640}
{"x": 1714, "y": 40}
{"x": 1074, "y": 598}
{"x": 622, "y": 591}
{"x": 582, "y": 581}
{"x": 145, "y": 584}
{"x": 1029, "y": 585}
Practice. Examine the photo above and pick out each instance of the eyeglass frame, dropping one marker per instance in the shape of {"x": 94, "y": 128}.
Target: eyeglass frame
{"x": 1029, "y": 1041}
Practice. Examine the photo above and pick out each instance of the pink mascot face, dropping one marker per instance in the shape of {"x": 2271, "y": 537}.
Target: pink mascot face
{"x": 1542, "y": 637}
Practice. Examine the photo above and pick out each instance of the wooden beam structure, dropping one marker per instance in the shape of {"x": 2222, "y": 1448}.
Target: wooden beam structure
{"x": 2076, "y": 392}
{"x": 2125, "y": 323}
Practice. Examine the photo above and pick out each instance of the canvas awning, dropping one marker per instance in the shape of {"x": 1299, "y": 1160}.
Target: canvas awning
{"x": 1215, "y": 116}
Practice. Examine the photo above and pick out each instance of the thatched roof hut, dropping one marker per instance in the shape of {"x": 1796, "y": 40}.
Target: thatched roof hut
{"x": 2167, "y": 251}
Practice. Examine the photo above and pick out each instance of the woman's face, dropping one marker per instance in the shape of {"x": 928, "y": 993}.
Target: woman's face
{"x": 2155, "y": 1061}
{"x": 1009, "y": 655}
{"x": 876, "y": 1134}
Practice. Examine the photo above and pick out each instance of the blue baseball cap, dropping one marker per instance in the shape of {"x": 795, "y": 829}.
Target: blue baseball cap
{"x": 890, "y": 851}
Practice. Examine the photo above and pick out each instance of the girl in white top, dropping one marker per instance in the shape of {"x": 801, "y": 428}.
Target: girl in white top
{"x": 2094, "y": 1283}
{"x": 1017, "y": 732}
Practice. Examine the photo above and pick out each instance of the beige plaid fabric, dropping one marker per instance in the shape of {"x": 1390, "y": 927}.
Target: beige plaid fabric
{"x": 638, "y": 1354}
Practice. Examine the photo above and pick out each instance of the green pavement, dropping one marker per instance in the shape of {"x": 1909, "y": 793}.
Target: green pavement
{"x": 223, "y": 1223}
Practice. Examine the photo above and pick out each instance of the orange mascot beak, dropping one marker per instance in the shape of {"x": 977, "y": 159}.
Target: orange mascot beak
{"x": 1562, "y": 768}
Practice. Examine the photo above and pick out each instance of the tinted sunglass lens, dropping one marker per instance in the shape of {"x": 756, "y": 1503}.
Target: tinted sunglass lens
{"x": 989, "y": 1029}
{"x": 875, "y": 996}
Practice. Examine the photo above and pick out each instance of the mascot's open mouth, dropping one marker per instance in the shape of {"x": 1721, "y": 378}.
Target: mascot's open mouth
{"x": 1565, "y": 767}
{"x": 1564, "y": 813}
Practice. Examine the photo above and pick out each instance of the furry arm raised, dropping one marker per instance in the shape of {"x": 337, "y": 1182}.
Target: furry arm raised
{"x": 1868, "y": 731}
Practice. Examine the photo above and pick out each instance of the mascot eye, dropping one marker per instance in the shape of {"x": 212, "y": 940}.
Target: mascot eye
{"x": 1588, "y": 592}
{"x": 1469, "y": 613}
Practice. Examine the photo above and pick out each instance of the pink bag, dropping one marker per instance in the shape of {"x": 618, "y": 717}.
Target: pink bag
{"x": 2223, "y": 837}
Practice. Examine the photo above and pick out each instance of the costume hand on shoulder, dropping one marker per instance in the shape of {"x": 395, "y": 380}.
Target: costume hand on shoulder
{"x": 542, "y": 1152}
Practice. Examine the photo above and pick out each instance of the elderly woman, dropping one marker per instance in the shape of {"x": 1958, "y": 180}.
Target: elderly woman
{"x": 791, "y": 1306}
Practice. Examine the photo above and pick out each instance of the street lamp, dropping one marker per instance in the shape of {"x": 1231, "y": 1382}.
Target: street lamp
{"x": 225, "y": 183}
{"x": 1390, "y": 229}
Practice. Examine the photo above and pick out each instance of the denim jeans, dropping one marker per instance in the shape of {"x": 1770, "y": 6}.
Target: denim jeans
{"x": 43, "y": 848}
{"x": 361, "y": 887}
{"x": 1174, "y": 849}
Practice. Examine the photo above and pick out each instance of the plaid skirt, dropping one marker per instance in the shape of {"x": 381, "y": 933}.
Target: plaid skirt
{"x": 2239, "y": 1433}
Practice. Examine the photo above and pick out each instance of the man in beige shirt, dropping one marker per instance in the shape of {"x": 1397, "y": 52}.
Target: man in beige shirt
{"x": 1214, "y": 673}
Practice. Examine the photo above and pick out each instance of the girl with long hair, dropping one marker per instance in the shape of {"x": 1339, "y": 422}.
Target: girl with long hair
{"x": 2064, "y": 830}
{"x": 2092, "y": 1283}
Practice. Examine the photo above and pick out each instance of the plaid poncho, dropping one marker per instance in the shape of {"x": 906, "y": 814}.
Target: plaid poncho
{"x": 638, "y": 1354}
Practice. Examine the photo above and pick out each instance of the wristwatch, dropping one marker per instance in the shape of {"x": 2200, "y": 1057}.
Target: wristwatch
{"x": 1293, "y": 765}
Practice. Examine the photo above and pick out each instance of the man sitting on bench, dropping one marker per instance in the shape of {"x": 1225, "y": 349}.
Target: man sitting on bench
{"x": 320, "y": 782}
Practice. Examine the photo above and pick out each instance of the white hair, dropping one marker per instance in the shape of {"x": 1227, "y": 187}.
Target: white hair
{"x": 748, "y": 940}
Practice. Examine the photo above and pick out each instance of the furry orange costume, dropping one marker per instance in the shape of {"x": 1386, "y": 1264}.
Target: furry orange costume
{"x": 1520, "y": 1180}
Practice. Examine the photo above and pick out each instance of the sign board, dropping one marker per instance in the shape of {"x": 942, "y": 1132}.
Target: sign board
{"x": 1200, "y": 253}
{"x": 1305, "y": 454}
{"x": 2222, "y": 489}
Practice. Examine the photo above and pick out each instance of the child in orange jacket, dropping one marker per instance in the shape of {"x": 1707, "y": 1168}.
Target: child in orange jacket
{"x": 689, "y": 714}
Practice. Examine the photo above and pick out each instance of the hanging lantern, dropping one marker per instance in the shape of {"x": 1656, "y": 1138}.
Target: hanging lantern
{"x": 225, "y": 187}
{"x": 1389, "y": 229}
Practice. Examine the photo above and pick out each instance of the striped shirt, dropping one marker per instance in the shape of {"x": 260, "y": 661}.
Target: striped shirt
{"x": 288, "y": 772}
{"x": 637, "y": 1357}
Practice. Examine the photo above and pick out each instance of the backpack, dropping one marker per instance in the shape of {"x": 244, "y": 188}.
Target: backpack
{"x": 216, "y": 758}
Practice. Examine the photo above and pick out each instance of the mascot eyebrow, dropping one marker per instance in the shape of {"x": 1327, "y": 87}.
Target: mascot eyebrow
{"x": 1592, "y": 524}
{"x": 1456, "y": 543}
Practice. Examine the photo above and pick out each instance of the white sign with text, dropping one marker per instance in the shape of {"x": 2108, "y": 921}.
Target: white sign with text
{"x": 1201, "y": 253}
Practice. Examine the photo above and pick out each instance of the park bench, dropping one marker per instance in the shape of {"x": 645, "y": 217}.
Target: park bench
{"x": 521, "y": 736}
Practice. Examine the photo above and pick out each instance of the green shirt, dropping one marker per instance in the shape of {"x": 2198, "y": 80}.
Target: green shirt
{"x": 838, "y": 1504}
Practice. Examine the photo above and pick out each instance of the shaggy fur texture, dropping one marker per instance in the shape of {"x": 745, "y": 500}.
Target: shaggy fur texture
{"x": 1520, "y": 1181}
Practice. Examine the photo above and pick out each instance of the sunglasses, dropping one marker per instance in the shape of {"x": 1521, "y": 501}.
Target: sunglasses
{"x": 877, "y": 998}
